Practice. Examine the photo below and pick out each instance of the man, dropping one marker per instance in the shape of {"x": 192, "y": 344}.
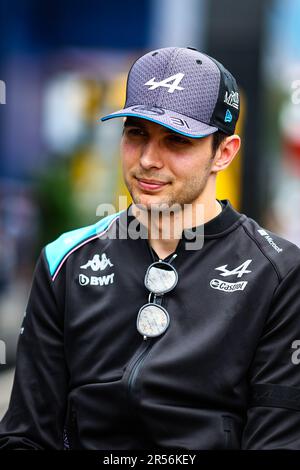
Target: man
{"x": 162, "y": 342}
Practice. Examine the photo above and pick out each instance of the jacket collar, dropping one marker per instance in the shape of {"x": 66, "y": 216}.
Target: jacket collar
{"x": 226, "y": 221}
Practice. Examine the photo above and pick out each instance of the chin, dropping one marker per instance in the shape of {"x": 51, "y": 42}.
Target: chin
{"x": 145, "y": 200}
{"x": 158, "y": 201}
{"x": 149, "y": 202}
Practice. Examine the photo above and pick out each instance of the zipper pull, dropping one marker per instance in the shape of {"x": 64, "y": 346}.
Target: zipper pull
{"x": 173, "y": 257}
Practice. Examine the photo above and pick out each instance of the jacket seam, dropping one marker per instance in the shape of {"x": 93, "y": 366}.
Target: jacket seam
{"x": 61, "y": 311}
{"x": 46, "y": 267}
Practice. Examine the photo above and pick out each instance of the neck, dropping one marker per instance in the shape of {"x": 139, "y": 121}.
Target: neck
{"x": 165, "y": 228}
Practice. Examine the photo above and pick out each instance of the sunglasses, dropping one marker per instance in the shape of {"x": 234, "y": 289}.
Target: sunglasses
{"x": 153, "y": 319}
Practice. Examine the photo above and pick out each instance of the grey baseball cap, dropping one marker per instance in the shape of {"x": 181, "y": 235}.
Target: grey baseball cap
{"x": 182, "y": 89}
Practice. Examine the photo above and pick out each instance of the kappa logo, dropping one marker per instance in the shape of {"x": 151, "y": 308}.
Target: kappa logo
{"x": 97, "y": 264}
{"x": 232, "y": 99}
{"x": 227, "y": 286}
{"x": 239, "y": 271}
{"x": 170, "y": 82}
{"x": 270, "y": 240}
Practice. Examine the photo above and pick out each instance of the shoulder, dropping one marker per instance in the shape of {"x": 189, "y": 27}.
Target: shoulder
{"x": 281, "y": 253}
{"x": 60, "y": 249}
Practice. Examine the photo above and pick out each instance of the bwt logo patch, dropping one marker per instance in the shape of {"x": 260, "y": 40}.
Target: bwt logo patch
{"x": 96, "y": 280}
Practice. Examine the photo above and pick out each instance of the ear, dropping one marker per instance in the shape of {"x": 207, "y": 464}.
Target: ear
{"x": 226, "y": 152}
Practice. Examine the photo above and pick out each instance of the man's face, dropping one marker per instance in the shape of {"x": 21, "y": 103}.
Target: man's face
{"x": 163, "y": 167}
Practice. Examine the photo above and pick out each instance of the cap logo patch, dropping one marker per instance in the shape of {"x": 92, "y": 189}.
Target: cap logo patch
{"x": 228, "y": 116}
{"x": 232, "y": 99}
{"x": 169, "y": 82}
{"x": 179, "y": 122}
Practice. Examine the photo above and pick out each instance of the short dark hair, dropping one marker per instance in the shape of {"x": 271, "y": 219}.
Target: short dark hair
{"x": 217, "y": 139}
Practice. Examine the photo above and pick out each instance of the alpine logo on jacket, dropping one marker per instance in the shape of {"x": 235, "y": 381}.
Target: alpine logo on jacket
{"x": 97, "y": 264}
{"x": 239, "y": 271}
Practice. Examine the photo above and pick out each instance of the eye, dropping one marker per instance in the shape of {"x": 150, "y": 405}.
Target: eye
{"x": 134, "y": 131}
{"x": 176, "y": 139}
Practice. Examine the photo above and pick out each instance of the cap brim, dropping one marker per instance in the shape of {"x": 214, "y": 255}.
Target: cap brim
{"x": 175, "y": 121}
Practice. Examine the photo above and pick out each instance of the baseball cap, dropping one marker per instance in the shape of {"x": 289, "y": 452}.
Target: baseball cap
{"x": 182, "y": 89}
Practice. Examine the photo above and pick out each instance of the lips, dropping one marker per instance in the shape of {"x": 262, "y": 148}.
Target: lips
{"x": 150, "y": 185}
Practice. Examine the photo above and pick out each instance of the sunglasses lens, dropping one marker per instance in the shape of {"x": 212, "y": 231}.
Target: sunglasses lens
{"x": 160, "y": 278}
{"x": 152, "y": 320}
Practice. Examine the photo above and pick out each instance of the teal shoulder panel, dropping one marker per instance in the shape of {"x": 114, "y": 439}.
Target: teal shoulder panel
{"x": 59, "y": 248}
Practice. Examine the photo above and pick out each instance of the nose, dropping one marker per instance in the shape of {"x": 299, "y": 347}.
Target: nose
{"x": 151, "y": 156}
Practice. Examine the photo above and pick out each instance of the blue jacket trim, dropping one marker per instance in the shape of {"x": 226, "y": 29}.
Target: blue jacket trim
{"x": 59, "y": 248}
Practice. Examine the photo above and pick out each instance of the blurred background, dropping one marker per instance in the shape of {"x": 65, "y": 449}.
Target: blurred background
{"x": 63, "y": 64}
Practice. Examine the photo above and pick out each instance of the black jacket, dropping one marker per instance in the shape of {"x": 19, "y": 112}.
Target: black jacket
{"x": 225, "y": 374}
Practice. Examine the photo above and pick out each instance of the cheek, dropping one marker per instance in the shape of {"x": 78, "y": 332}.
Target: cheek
{"x": 129, "y": 155}
{"x": 188, "y": 167}
{"x": 126, "y": 157}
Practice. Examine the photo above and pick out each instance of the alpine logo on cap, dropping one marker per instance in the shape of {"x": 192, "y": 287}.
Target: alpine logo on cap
{"x": 169, "y": 82}
{"x": 232, "y": 99}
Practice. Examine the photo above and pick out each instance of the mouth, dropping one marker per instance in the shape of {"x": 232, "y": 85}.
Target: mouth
{"x": 150, "y": 185}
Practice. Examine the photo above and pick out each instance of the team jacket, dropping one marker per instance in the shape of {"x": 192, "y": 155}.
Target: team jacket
{"x": 224, "y": 375}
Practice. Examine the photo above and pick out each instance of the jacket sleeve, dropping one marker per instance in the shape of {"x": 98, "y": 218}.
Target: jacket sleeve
{"x": 273, "y": 417}
{"x": 36, "y": 413}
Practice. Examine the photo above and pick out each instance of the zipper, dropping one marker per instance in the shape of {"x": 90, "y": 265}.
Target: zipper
{"x": 70, "y": 429}
{"x": 227, "y": 428}
{"x": 66, "y": 440}
{"x": 136, "y": 367}
{"x": 140, "y": 359}
{"x": 227, "y": 439}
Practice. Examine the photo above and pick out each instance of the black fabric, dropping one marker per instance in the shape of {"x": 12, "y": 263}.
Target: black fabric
{"x": 87, "y": 379}
{"x": 227, "y": 84}
{"x": 275, "y": 395}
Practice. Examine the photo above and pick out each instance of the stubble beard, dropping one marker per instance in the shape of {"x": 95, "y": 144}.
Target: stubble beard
{"x": 188, "y": 194}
